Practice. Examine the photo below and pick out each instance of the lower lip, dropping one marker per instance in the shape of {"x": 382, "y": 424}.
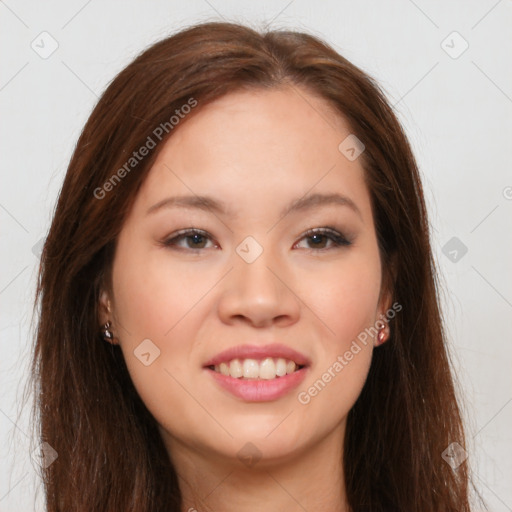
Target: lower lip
{"x": 260, "y": 390}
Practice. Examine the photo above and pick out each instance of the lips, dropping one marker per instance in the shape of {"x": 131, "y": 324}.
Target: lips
{"x": 258, "y": 373}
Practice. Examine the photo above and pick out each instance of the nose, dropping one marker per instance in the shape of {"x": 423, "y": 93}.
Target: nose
{"x": 259, "y": 294}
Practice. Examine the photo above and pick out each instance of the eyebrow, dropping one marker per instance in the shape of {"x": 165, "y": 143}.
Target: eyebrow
{"x": 208, "y": 203}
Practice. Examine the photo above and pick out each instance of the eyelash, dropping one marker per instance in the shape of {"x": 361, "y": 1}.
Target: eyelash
{"x": 337, "y": 238}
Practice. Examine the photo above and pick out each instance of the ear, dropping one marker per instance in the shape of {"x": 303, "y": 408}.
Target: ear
{"x": 387, "y": 285}
{"x": 104, "y": 308}
{"x": 384, "y": 303}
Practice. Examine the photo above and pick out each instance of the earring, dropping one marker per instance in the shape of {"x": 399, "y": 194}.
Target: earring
{"x": 381, "y": 337}
{"x": 107, "y": 333}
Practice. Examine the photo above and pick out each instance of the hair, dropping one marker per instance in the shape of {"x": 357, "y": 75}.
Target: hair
{"x": 110, "y": 453}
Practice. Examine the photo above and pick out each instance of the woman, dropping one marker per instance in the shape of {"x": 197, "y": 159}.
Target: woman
{"x": 237, "y": 294}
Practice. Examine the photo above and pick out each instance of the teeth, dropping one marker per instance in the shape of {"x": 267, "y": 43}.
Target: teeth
{"x": 281, "y": 367}
{"x": 251, "y": 369}
{"x": 290, "y": 367}
{"x": 224, "y": 369}
{"x": 267, "y": 369}
{"x": 235, "y": 369}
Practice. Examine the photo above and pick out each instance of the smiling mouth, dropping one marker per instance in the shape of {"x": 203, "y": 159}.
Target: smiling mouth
{"x": 252, "y": 369}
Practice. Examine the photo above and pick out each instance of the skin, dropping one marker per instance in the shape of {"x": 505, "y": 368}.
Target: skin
{"x": 256, "y": 151}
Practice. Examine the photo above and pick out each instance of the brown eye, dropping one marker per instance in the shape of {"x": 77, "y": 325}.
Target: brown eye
{"x": 319, "y": 237}
{"x": 194, "y": 239}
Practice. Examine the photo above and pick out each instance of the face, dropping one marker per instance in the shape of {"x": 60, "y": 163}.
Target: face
{"x": 243, "y": 272}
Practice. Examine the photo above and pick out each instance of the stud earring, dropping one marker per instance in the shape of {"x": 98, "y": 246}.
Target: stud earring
{"x": 107, "y": 333}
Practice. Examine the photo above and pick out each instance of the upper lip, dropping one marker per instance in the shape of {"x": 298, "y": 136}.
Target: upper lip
{"x": 259, "y": 352}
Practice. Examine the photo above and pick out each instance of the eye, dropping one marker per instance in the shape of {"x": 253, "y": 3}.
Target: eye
{"x": 193, "y": 238}
{"x": 319, "y": 236}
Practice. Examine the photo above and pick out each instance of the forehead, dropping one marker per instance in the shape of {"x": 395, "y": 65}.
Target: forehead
{"x": 282, "y": 118}
{"x": 275, "y": 144}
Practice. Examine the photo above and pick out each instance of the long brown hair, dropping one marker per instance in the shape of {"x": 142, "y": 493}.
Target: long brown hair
{"x": 110, "y": 454}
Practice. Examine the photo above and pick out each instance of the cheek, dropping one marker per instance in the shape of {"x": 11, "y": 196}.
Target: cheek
{"x": 345, "y": 298}
{"x": 346, "y": 304}
{"x": 153, "y": 302}
{"x": 347, "y": 307}
{"x": 151, "y": 296}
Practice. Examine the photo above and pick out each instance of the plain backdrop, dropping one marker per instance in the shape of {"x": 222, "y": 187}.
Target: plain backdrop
{"x": 445, "y": 66}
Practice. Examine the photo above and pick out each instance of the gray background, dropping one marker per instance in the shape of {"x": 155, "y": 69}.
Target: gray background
{"x": 455, "y": 105}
